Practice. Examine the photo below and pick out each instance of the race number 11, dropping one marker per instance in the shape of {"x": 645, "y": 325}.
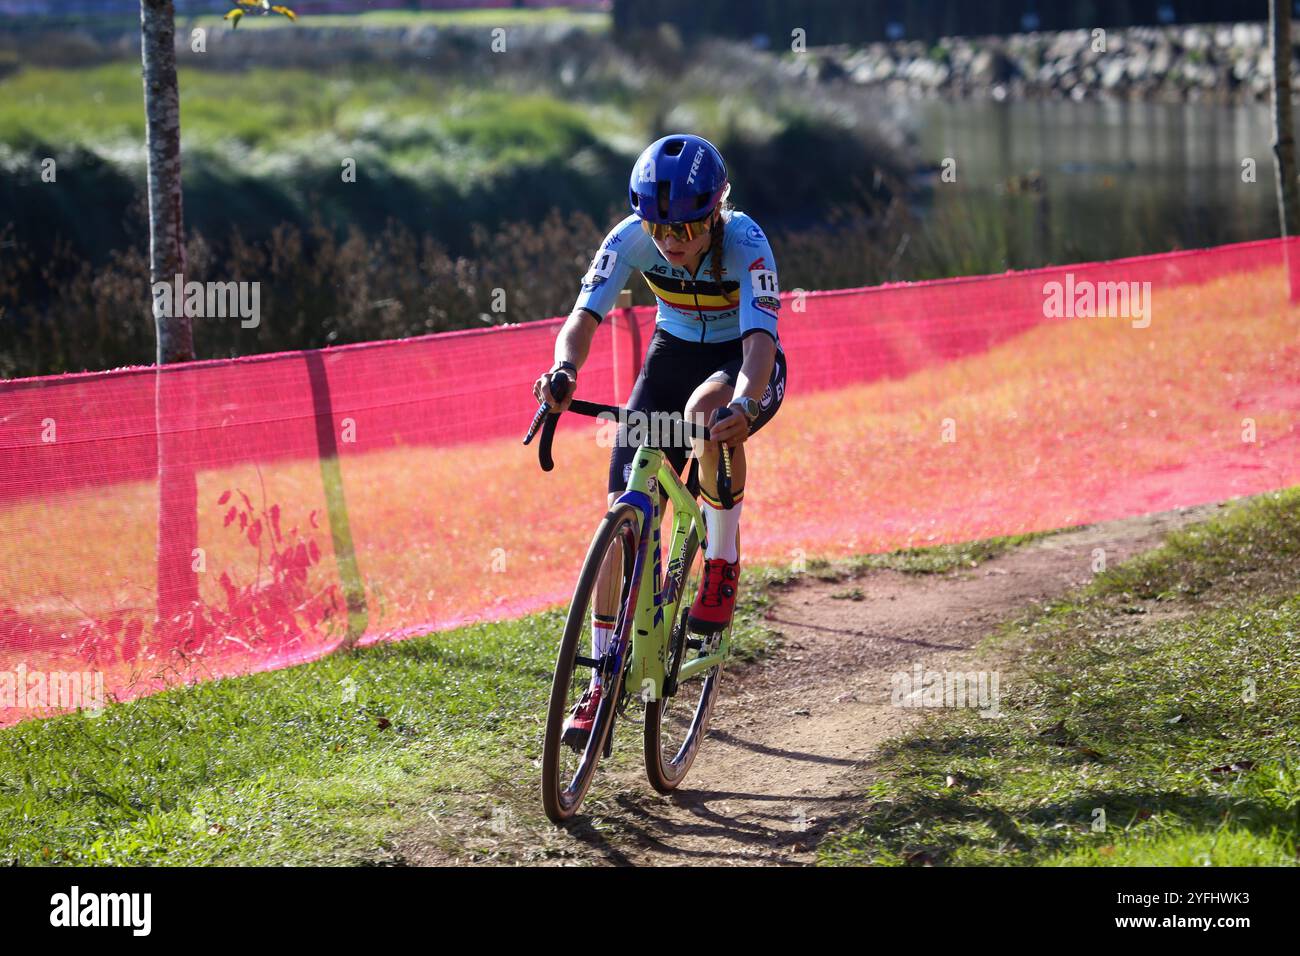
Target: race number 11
{"x": 764, "y": 282}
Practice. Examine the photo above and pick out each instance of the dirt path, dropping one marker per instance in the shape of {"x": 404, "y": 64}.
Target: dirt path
{"x": 793, "y": 737}
{"x": 790, "y": 735}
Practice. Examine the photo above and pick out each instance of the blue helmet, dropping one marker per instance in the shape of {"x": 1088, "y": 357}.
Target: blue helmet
{"x": 680, "y": 178}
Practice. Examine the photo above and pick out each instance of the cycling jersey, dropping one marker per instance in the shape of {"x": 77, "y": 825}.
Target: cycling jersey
{"x": 692, "y": 305}
{"x": 672, "y": 371}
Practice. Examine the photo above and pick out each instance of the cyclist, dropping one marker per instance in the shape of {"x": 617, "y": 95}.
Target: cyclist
{"x": 715, "y": 344}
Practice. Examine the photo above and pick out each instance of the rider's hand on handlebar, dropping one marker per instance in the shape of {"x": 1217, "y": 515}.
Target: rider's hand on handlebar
{"x": 542, "y": 390}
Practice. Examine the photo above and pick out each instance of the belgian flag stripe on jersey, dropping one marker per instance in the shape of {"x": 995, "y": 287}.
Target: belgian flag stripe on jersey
{"x": 691, "y": 294}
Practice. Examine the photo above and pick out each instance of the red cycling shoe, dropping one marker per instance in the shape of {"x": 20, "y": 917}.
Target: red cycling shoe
{"x": 711, "y": 612}
{"x": 577, "y": 726}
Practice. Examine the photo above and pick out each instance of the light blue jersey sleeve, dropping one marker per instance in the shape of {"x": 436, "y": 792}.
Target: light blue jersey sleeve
{"x": 750, "y": 261}
{"x": 621, "y": 252}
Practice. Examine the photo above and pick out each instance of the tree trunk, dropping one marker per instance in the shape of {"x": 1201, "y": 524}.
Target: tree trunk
{"x": 174, "y": 392}
{"x": 1288, "y": 194}
{"x": 162, "y": 108}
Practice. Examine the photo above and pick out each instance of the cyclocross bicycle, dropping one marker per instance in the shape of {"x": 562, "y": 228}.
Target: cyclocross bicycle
{"x": 651, "y": 659}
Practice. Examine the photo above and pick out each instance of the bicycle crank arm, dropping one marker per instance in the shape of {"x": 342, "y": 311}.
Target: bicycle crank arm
{"x": 716, "y": 655}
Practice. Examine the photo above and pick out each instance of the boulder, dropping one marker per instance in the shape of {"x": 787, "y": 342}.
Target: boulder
{"x": 992, "y": 66}
{"x": 1112, "y": 74}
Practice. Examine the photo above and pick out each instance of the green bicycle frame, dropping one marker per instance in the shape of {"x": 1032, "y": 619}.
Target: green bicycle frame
{"x": 656, "y": 611}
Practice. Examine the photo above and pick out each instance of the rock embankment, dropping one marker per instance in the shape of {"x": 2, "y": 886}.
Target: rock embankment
{"x": 1204, "y": 63}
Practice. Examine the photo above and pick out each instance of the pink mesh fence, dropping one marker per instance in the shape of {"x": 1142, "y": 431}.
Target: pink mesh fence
{"x": 166, "y": 525}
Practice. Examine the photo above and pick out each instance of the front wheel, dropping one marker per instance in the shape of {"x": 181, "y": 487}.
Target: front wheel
{"x": 567, "y": 771}
{"x": 676, "y": 724}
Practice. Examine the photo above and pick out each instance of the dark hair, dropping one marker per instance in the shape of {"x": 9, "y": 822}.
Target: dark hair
{"x": 717, "y": 233}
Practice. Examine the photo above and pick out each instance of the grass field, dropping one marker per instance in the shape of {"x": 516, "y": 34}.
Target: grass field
{"x": 1155, "y": 722}
{"x": 468, "y": 19}
{"x": 269, "y": 122}
{"x": 486, "y": 18}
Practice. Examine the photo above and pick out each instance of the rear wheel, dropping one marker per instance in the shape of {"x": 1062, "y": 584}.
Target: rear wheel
{"x": 676, "y": 724}
{"x": 567, "y": 771}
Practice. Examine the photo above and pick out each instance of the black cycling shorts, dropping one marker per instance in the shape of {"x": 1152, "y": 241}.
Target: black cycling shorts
{"x": 674, "y": 368}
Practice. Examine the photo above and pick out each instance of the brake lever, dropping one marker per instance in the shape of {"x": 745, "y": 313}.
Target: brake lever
{"x": 548, "y": 419}
{"x": 542, "y": 409}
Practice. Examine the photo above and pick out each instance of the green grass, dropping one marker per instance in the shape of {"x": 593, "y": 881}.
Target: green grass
{"x": 455, "y": 19}
{"x": 1247, "y": 550}
{"x": 486, "y": 18}
{"x": 278, "y": 768}
{"x": 1164, "y": 700}
{"x": 279, "y": 115}
{"x": 941, "y": 559}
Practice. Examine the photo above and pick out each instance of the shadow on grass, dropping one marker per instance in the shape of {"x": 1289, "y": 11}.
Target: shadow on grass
{"x": 933, "y": 828}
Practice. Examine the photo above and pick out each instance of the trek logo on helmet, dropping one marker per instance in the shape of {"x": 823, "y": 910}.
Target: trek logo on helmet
{"x": 695, "y": 166}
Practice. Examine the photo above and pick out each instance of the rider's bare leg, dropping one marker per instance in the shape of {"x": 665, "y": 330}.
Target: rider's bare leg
{"x": 605, "y": 601}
